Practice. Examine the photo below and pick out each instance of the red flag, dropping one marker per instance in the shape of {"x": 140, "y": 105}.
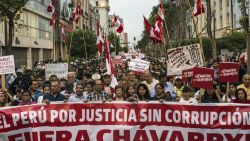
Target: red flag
{"x": 118, "y": 25}
{"x": 100, "y": 41}
{"x": 148, "y": 26}
{"x": 156, "y": 32}
{"x": 49, "y": 8}
{"x": 161, "y": 11}
{"x": 53, "y": 19}
{"x": 110, "y": 67}
{"x": 199, "y": 8}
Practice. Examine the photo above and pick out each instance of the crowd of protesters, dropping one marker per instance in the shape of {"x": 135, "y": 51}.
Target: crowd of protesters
{"x": 88, "y": 81}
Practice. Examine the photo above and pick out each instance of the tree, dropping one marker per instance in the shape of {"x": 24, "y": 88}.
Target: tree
{"x": 244, "y": 21}
{"x": 115, "y": 40}
{"x": 9, "y": 10}
{"x": 78, "y": 45}
{"x": 209, "y": 29}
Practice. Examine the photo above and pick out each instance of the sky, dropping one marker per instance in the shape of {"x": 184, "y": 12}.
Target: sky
{"x": 132, "y": 12}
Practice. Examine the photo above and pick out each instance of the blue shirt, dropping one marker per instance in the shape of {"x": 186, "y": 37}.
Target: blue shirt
{"x": 50, "y": 97}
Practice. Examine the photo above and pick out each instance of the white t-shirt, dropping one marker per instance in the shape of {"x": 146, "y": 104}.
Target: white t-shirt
{"x": 190, "y": 101}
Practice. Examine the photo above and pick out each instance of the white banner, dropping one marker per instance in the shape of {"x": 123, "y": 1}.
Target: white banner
{"x": 60, "y": 69}
{"x": 138, "y": 65}
{"x": 183, "y": 58}
{"x": 7, "y": 64}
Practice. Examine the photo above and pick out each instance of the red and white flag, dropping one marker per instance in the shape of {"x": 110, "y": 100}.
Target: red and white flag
{"x": 198, "y": 8}
{"x": 161, "y": 11}
{"x": 156, "y": 32}
{"x": 64, "y": 35}
{"x": 118, "y": 25}
{"x": 51, "y": 9}
{"x": 100, "y": 40}
{"x": 110, "y": 67}
{"x": 77, "y": 13}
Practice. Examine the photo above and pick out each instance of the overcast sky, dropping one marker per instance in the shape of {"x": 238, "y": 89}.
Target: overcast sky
{"x": 132, "y": 11}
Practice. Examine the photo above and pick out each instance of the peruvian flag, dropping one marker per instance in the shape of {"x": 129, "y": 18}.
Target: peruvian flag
{"x": 99, "y": 41}
{"x": 63, "y": 35}
{"x": 53, "y": 18}
{"x": 118, "y": 25}
{"x": 156, "y": 32}
{"x": 110, "y": 67}
{"x": 199, "y": 8}
{"x": 77, "y": 13}
{"x": 161, "y": 11}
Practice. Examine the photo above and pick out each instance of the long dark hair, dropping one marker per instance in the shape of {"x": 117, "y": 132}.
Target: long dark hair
{"x": 147, "y": 95}
{"x": 243, "y": 90}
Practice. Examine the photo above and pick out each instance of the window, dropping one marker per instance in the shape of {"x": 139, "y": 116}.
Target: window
{"x": 221, "y": 21}
{"x": 227, "y": 2}
{"x": 220, "y": 4}
{"x": 96, "y": 3}
{"x": 228, "y": 20}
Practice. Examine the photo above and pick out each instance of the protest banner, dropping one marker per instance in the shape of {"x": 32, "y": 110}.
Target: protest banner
{"x": 185, "y": 57}
{"x": 7, "y": 64}
{"x": 125, "y": 121}
{"x": 138, "y": 65}
{"x": 60, "y": 69}
{"x": 202, "y": 78}
{"x": 118, "y": 62}
{"x": 186, "y": 74}
{"x": 229, "y": 72}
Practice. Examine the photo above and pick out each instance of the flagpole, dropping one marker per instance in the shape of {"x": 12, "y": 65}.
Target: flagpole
{"x": 198, "y": 35}
{"x": 85, "y": 48}
{"x": 70, "y": 45}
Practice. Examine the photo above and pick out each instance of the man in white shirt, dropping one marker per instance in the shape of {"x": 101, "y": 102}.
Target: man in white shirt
{"x": 186, "y": 96}
{"x": 150, "y": 82}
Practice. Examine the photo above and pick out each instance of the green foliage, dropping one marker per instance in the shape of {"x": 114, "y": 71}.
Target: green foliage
{"x": 78, "y": 46}
{"x": 125, "y": 49}
{"x": 115, "y": 40}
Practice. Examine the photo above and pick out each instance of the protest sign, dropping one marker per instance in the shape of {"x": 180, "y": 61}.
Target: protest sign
{"x": 118, "y": 62}
{"x": 185, "y": 57}
{"x": 60, "y": 69}
{"x": 125, "y": 121}
{"x": 7, "y": 64}
{"x": 229, "y": 72}
{"x": 186, "y": 74}
{"x": 203, "y": 78}
{"x": 138, "y": 65}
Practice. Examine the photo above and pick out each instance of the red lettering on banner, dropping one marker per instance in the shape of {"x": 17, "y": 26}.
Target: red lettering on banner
{"x": 247, "y": 137}
{"x": 125, "y": 136}
{"x": 141, "y": 135}
{"x": 214, "y": 137}
{"x": 46, "y": 135}
{"x": 63, "y": 136}
{"x": 194, "y": 136}
{"x": 82, "y": 135}
{"x": 14, "y": 137}
{"x": 154, "y": 136}
{"x": 101, "y": 133}
{"x": 176, "y": 135}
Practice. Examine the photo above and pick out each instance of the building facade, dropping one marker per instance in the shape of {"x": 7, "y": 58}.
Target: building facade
{"x": 102, "y": 9}
{"x": 221, "y": 19}
{"x": 237, "y": 13}
{"x": 32, "y": 41}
